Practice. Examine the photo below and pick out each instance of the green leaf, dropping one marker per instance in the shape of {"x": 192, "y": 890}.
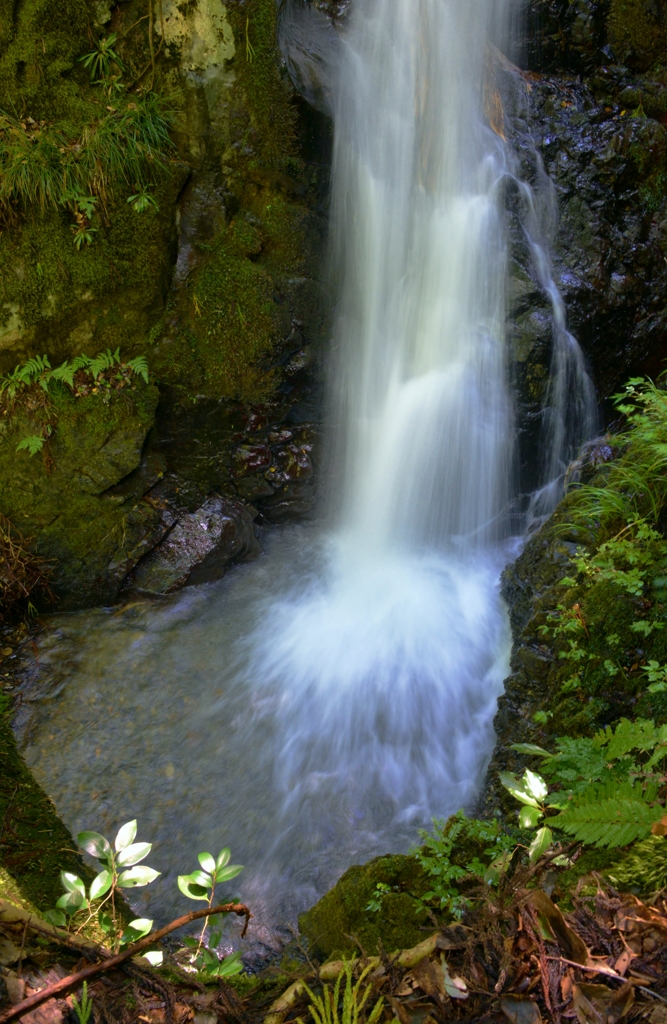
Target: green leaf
{"x": 32, "y": 444}
{"x": 214, "y": 940}
{"x": 72, "y": 883}
{"x": 230, "y": 966}
{"x": 126, "y": 835}
{"x": 207, "y": 861}
{"x": 540, "y": 844}
{"x": 133, "y": 854}
{"x": 225, "y": 874}
{"x": 136, "y": 930}
{"x": 94, "y": 844}
{"x": 223, "y": 858}
{"x": 529, "y": 816}
{"x": 100, "y": 884}
{"x": 70, "y": 902}
{"x": 535, "y": 785}
{"x": 609, "y": 816}
{"x": 105, "y": 922}
{"x": 185, "y": 885}
{"x": 517, "y": 788}
{"x": 139, "y": 875}
{"x": 190, "y": 942}
{"x": 201, "y": 878}
{"x": 497, "y": 868}
{"x": 530, "y": 748}
{"x": 55, "y": 917}
{"x": 154, "y": 957}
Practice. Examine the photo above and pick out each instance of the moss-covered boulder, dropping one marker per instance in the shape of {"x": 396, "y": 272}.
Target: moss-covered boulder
{"x": 638, "y": 32}
{"x": 342, "y": 921}
{"x": 58, "y": 496}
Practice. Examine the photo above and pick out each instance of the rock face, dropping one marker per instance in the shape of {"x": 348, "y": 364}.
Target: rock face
{"x": 199, "y": 547}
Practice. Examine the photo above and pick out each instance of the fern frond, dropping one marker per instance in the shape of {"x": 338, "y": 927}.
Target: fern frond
{"x": 139, "y": 366}
{"x": 65, "y": 372}
{"x": 606, "y": 816}
{"x": 638, "y": 735}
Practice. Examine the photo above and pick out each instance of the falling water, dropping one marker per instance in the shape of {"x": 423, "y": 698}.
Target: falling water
{"x": 384, "y": 673}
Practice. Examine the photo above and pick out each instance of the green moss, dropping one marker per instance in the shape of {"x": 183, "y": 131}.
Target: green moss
{"x": 35, "y": 846}
{"x": 638, "y": 33}
{"x": 93, "y": 539}
{"x": 341, "y": 917}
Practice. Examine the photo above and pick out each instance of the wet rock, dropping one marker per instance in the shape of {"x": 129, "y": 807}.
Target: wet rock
{"x": 311, "y": 48}
{"x": 199, "y": 547}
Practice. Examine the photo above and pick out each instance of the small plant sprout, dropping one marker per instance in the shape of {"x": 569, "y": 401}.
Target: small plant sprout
{"x": 84, "y": 1008}
{"x": 32, "y": 444}
{"x": 324, "y": 1009}
{"x": 200, "y": 885}
{"x": 99, "y": 60}
{"x": 531, "y": 791}
{"x": 143, "y": 200}
{"x": 121, "y": 870}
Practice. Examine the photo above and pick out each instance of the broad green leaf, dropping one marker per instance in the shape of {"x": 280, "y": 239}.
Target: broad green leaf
{"x": 100, "y": 884}
{"x": 215, "y": 920}
{"x": 140, "y": 926}
{"x": 540, "y": 844}
{"x": 105, "y": 922}
{"x": 185, "y": 885}
{"x": 230, "y": 966}
{"x": 535, "y": 785}
{"x": 70, "y": 902}
{"x": 139, "y": 875}
{"x": 133, "y": 854}
{"x": 190, "y": 942}
{"x": 154, "y": 957}
{"x": 530, "y": 748}
{"x": 94, "y": 844}
{"x": 223, "y": 857}
{"x": 224, "y": 874}
{"x": 126, "y": 835}
{"x": 529, "y": 816}
{"x": 207, "y": 861}
{"x": 55, "y": 917}
{"x": 72, "y": 883}
{"x": 201, "y": 878}
{"x": 517, "y": 788}
{"x": 214, "y": 940}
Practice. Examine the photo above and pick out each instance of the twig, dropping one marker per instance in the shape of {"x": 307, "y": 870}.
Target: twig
{"x": 73, "y": 980}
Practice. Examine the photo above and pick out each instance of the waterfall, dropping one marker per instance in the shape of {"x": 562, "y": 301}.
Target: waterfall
{"x": 382, "y": 673}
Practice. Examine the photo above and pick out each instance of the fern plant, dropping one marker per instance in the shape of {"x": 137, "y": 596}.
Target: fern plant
{"x": 326, "y": 1008}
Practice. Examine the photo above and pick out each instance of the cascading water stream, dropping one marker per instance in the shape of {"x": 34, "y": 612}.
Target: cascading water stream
{"x": 359, "y": 702}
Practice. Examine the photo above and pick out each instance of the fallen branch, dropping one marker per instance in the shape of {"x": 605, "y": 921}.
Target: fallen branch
{"x": 73, "y": 980}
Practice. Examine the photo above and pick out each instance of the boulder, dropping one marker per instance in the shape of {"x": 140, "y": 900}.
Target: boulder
{"x": 199, "y": 547}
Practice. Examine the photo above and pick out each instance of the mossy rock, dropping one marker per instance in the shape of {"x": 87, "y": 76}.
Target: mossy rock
{"x": 638, "y": 32}
{"x": 58, "y": 497}
{"x": 341, "y": 916}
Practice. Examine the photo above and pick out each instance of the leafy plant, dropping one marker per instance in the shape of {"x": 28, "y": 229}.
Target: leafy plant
{"x": 37, "y": 371}
{"x": 201, "y": 885}
{"x": 143, "y": 200}
{"x": 33, "y": 443}
{"x": 99, "y": 60}
{"x": 447, "y": 838}
{"x": 83, "y": 1009}
{"x": 326, "y": 1009}
{"x": 608, "y": 792}
{"x": 374, "y": 905}
{"x": 122, "y": 869}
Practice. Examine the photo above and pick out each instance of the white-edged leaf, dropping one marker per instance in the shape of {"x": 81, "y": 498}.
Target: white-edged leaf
{"x": 139, "y": 875}
{"x": 133, "y": 854}
{"x": 100, "y": 884}
{"x": 72, "y": 883}
{"x": 94, "y": 844}
{"x": 154, "y": 957}
{"x": 540, "y": 844}
{"x": 517, "y": 788}
{"x": 184, "y": 884}
{"x": 535, "y": 785}
{"x": 126, "y": 835}
{"x": 223, "y": 857}
{"x": 207, "y": 861}
{"x": 529, "y": 816}
{"x": 224, "y": 874}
